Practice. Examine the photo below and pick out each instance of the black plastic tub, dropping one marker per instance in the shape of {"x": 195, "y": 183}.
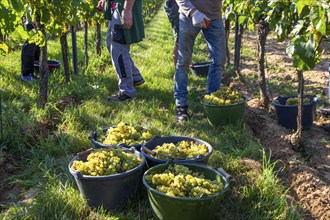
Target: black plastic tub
{"x": 287, "y": 114}
{"x": 157, "y": 140}
{"x": 98, "y": 144}
{"x": 113, "y": 191}
{"x": 52, "y": 65}
{"x": 200, "y": 69}
{"x": 93, "y": 136}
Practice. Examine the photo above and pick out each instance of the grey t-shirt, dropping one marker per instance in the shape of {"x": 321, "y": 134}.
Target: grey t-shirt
{"x": 211, "y": 8}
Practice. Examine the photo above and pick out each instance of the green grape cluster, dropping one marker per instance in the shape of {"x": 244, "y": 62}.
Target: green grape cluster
{"x": 128, "y": 134}
{"x": 103, "y": 162}
{"x": 294, "y": 101}
{"x": 180, "y": 181}
{"x": 276, "y": 101}
{"x": 183, "y": 149}
{"x": 224, "y": 96}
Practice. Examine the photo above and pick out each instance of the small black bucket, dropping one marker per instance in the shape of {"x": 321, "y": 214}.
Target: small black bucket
{"x": 52, "y": 65}
{"x": 113, "y": 191}
{"x": 157, "y": 140}
{"x": 287, "y": 114}
{"x": 200, "y": 69}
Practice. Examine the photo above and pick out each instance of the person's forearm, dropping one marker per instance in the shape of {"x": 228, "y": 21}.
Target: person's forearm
{"x": 100, "y": 5}
{"x": 127, "y": 14}
{"x": 128, "y": 5}
{"x": 186, "y": 7}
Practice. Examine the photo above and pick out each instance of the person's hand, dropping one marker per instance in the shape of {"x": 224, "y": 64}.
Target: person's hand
{"x": 127, "y": 18}
{"x": 200, "y": 20}
{"x": 100, "y": 6}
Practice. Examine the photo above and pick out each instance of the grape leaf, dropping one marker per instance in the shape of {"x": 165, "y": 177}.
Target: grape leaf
{"x": 3, "y": 48}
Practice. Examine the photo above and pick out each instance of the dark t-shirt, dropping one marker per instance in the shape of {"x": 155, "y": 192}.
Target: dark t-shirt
{"x": 136, "y": 32}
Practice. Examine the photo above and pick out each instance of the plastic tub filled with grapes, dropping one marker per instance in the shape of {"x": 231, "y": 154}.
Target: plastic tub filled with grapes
{"x": 185, "y": 191}
{"x": 108, "y": 177}
{"x": 225, "y": 106}
{"x": 159, "y": 150}
{"x": 125, "y": 135}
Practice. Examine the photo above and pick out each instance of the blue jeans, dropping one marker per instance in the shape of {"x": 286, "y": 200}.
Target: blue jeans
{"x": 172, "y": 11}
{"x": 215, "y": 37}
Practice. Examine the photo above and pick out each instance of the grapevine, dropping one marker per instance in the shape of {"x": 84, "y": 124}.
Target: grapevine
{"x": 105, "y": 162}
{"x": 180, "y": 181}
{"x": 183, "y": 149}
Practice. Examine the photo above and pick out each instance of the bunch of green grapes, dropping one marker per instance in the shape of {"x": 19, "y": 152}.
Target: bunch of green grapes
{"x": 294, "y": 101}
{"x": 183, "y": 149}
{"x": 224, "y": 96}
{"x": 276, "y": 101}
{"x": 180, "y": 181}
{"x": 127, "y": 134}
{"x": 103, "y": 162}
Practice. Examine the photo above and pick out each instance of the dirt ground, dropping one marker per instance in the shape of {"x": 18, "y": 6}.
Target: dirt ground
{"x": 305, "y": 169}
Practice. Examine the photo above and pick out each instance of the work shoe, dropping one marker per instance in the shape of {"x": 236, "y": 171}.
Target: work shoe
{"x": 119, "y": 97}
{"x": 138, "y": 83}
{"x": 30, "y": 77}
{"x": 182, "y": 113}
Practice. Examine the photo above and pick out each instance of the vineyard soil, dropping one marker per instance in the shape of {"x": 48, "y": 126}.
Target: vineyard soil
{"x": 306, "y": 168}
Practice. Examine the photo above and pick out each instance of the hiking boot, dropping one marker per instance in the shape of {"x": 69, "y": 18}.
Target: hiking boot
{"x": 138, "y": 83}
{"x": 30, "y": 77}
{"x": 119, "y": 97}
{"x": 182, "y": 113}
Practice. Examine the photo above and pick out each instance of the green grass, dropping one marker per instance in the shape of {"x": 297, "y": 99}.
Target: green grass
{"x": 43, "y": 141}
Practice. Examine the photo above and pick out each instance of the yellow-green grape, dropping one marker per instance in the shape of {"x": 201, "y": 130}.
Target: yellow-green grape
{"x": 277, "y": 102}
{"x": 183, "y": 149}
{"x": 224, "y": 96}
{"x": 147, "y": 135}
{"x": 127, "y": 134}
{"x": 180, "y": 181}
{"x": 294, "y": 101}
{"x": 105, "y": 162}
